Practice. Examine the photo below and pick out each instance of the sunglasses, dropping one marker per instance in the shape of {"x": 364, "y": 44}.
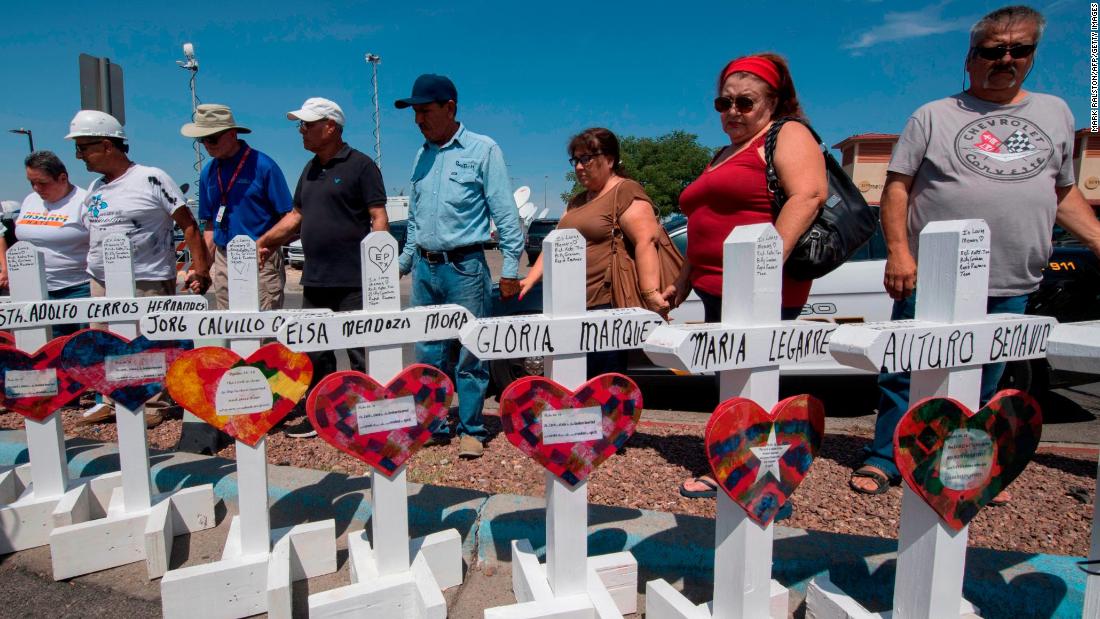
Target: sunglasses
{"x": 213, "y": 138}
{"x": 83, "y": 148}
{"x": 583, "y": 159}
{"x": 742, "y": 103}
{"x": 308, "y": 124}
{"x": 996, "y": 53}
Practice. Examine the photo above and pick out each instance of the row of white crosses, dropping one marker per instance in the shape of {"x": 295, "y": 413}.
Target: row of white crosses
{"x": 741, "y": 349}
{"x": 572, "y": 584}
{"x": 1076, "y": 347}
{"x": 396, "y": 577}
{"x": 95, "y": 523}
{"x": 952, "y": 280}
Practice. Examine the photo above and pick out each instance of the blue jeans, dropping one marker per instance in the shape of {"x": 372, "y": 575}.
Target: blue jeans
{"x": 79, "y": 291}
{"x": 465, "y": 282}
{"x": 894, "y": 387}
{"x": 712, "y": 308}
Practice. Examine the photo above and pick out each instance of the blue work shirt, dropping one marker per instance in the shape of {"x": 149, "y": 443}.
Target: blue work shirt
{"x": 456, "y": 188}
{"x": 257, "y": 200}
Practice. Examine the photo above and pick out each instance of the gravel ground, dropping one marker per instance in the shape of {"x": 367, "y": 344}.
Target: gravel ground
{"x": 1043, "y": 516}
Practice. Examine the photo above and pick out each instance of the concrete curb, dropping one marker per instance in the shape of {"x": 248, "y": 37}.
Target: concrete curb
{"x": 675, "y": 547}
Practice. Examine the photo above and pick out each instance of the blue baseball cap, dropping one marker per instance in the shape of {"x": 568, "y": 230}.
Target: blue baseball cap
{"x": 428, "y": 88}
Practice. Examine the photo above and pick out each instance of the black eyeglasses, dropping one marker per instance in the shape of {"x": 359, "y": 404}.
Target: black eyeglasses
{"x": 213, "y": 138}
{"x": 583, "y": 159}
{"x": 996, "y": 53}
{"x": 83, "y": 148}
{"x": 742, "y": 103}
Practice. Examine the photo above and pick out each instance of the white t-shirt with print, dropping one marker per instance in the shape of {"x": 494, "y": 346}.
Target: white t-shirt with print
{"x": 138, "y": 204}
{"x": 57, "y": 228}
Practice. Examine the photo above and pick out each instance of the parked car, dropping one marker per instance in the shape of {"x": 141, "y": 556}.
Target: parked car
{"x": 536, "y": 233}
{"x": 854, "y": 293}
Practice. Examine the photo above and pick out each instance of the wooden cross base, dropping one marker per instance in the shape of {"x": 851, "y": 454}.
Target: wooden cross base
{"x": 242, "y": 585}
{"x": 611, "y": 592}
{"x": 413, "y": 594}
{"x": 662, "y": 601}
{"x": 123, "y": 537}
{"x": 26, "y": 520}
{"x": 827, "y": 601}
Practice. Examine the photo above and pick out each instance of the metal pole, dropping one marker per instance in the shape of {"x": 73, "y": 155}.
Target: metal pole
{"x": 26, "y": 132}
{"x": 545, "y": 180}
{"x": 374, "y": 60}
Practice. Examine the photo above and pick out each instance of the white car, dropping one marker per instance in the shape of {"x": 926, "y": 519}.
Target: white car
{"x": 293, "y": 254}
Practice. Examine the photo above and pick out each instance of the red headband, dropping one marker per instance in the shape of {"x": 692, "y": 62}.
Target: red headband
{"x": 757, "y": 65}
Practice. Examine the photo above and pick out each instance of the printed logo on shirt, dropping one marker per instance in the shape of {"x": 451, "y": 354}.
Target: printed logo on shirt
{"x": 1004, "y": 147}
{"x": 96, "y": 205}
{"x": 55, "y": 220}
{"x": 336, "y": 181}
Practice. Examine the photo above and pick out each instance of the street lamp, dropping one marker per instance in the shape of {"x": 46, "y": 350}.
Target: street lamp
{"x": 26, "y": 132}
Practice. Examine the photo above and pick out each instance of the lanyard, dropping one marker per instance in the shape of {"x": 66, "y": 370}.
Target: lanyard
{"x": 233, "y": 178}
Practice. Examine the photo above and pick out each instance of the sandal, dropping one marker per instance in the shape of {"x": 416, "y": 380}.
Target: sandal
{"x": 710, "y": 493}
{"x": 882, "y": 483}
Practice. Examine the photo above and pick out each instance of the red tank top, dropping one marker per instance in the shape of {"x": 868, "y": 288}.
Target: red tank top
{"x": 732, "y": 194}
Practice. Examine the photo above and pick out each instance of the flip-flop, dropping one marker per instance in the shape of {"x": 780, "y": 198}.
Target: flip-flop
{"x": 700, "y": 494}
{"x": 882, "y": 483}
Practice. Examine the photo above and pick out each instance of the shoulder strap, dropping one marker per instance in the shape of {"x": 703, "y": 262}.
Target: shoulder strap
{"x": 779, "y": 198}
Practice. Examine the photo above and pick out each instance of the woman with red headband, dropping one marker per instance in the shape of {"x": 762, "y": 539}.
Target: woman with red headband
{"x": 753, "y": 91}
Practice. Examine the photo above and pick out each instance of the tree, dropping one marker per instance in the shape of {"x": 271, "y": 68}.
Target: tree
{"x": 663, "y": 165}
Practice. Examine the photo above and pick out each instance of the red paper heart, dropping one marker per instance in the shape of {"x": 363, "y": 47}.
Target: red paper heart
{"x": 747, "y": 447}
{"x": 612, "y": 403}
{"x": 44, "y": 364}
{"x": 985, "y": 451}
{"x": 194, "y": 381}
{"x": 420, "y": 395}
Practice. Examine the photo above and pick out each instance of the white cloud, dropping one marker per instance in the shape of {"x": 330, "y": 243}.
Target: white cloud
{"x": 899, "y": 26}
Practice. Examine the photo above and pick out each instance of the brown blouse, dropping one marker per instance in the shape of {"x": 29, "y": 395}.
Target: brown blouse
{"x": 594, "y": 220}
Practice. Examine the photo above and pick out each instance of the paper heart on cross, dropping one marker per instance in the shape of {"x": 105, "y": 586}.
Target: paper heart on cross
{"x": 242, "y": 397}
{"x": 34, "y": 384}
{"x": 958, "y": 461}
{"x": 383, "y": 426}
{"x": 127, "y": 371}
{"x": 759, "y": 458}
{"x": 570, "y": 433}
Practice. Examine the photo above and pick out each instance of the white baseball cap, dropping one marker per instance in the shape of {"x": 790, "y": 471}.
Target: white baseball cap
{"x": 316, "y": 108}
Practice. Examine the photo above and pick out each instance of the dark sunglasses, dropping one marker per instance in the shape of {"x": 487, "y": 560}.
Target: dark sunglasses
{"x": 743, "y": 104}
{"x": 583, "y": 159}
{"x": 996, "y": 53}
{"x": 213, "y": 138}
{"x": 83, "y": 148}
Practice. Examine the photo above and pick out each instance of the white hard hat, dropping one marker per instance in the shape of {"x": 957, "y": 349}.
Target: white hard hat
{"x": 94, "y": 123}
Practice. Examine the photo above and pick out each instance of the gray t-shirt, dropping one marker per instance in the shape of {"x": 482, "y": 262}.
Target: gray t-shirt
{"x": 972, "y": 159}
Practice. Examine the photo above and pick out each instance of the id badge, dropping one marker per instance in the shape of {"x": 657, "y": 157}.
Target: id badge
{"x": 221, "y": 214}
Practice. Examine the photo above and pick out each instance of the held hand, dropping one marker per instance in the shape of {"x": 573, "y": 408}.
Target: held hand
{"x": 525, "y": 286}
{"x": 262, "y": 253}
{"x": 672, "y": 294}
{"x": 3, "y": 279}
{"x": 656, "y": 302}
{"x": 196, "y": 282}
{"x": 900, "y": 278}
{"x": 509, "y": 287}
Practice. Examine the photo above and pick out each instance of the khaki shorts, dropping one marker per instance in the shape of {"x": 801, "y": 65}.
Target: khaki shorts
{"x": 272, "y": 281}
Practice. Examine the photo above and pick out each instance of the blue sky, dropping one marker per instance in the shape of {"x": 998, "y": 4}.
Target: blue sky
{"x": 528, "y": 74}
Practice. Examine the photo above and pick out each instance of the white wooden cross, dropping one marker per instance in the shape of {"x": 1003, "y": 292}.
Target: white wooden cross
{"x": 395, "y": 570}
{"x": 36, "y": 497}
{"x": 258, "y": 564}
{"x": 944, "y": 348}
{"x": 745, "y": 349}
{"x": 138, "y": 525}
{"x": 1076, "y": 347}
{"x": 572, "y": 581}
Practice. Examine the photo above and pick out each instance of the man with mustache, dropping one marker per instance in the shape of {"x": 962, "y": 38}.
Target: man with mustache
{"x": 995, "y": 152}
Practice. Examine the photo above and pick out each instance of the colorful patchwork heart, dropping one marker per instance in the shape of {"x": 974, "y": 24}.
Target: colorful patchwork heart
{"x": 958, "y": 461}
{"x": 242, "y": 397}
{"x": 570, "y": 433}
{"x": 35, "y": 385}
{"x": 759, "y": 459}
{"x": 129, "y": 372}
{"x": 382, "y": 426}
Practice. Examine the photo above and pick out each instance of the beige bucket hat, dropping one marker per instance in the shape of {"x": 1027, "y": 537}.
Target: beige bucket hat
{"x": 211, "y": 118}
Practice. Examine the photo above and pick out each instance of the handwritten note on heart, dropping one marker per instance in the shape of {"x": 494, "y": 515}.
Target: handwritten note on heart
{"x": 35, "y": 385}
{"x": 242, "y": 397}
{"x": 958, "y": 461}
{"x": 570, "y": 433}
{"x": 383, "y": 426}
{"x": 129, "y": 372}
{"x": 381, "y": 256}
{"x": 760, "y": 458}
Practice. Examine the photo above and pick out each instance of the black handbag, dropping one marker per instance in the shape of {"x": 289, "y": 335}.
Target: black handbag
{"x": 844, "y": 224}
